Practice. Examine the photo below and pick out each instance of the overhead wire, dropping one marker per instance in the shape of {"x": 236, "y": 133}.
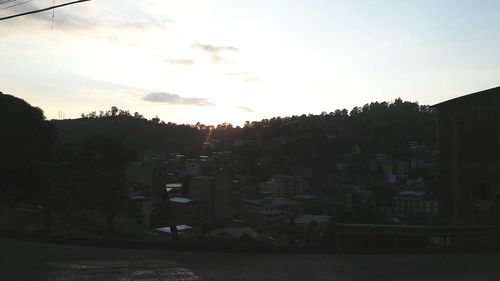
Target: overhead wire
{"x": 42, "y": 10}
{"x": 3, "y": 2}
{"x": 15, "y": 5}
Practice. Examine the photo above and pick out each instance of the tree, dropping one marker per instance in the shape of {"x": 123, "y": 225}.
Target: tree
{"x": 312, "y": 232}
{"x": 114, "y": 110}
{"x": 27, "y": 140}
{"x": 155, "y": 120}
{"x": 101, "y": 162}
{"x": 331, "y": 232}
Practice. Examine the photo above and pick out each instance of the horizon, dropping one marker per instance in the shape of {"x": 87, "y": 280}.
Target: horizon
{"x": 225, "y": 61}
{"x": 61, "y": 117}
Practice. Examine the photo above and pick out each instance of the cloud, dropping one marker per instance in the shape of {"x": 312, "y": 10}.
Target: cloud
{"x": 244, "y": 76}
{"x": 215, "y": 52}
{"x": 252, "y": 79}
{"x": 181, "y": 61}
{"x": 244, "y": 108}
{"x": 176, "y": 99}
{"x": 214, "y": 49}
{"x": 236, "y": 73}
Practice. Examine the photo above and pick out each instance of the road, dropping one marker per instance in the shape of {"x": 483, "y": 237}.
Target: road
{"x": 21, "y": 260}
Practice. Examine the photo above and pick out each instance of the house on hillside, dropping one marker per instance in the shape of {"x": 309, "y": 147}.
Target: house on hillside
{"x": 358, "y": 197}
{"x": 285, "y": 186}
{"x": 416, "y": 203}
{"x": 270, "y": 212}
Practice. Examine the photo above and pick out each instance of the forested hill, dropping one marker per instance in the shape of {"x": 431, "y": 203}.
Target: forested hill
{"x": 378, "y": 127}
{"x": 136, "y": 133}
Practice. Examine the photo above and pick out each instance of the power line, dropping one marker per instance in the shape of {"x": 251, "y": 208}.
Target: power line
{"x": 6, "y": 2}
{"x": 42, "y": 10}
{"x": 14, "y": 5}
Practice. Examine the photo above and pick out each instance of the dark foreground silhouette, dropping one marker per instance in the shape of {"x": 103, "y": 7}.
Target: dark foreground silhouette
{"x": 34, "y": 261}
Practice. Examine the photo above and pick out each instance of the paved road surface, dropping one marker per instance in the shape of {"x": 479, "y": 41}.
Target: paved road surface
{"x": 20, "y": 260}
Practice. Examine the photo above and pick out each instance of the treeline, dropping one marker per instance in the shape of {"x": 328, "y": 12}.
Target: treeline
{"x": 38, "y": 173}
{"x": 115, "y": 112}
{"x": 314, "y": 141}
{"x": 320, "y": 141}
{"x": 144, "y": 136}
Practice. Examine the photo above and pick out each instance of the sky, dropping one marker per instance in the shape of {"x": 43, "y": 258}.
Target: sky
{"x": 217, "y": 61}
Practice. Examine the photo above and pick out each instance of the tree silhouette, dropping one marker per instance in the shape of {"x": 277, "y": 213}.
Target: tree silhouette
{"x": 100, "y": 163}
{"x": 26, "y": 142}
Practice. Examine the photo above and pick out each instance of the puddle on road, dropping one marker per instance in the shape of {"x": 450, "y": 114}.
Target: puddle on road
{"x": 146, "y": 270}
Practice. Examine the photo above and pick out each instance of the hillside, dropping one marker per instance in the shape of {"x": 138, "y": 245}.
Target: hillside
{"x": 136, "y": 133}
{"x": 313, "y": 140}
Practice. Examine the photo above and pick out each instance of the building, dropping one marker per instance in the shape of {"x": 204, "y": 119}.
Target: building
{"x": 174, "y": 189}
{"x": 187, "y": 211}
{"x": 214, "y": 192}
{"x": 402, "y": 170}
{"x": 236, "y": 233}
{"x": 181, "y": 229}
{"x": 241, "y": 189}
{"x": 274, "y": 187}
{"x": 143, "y": 206}
{"x": 270, "y": 212}
{"x": 285, "y": 205}
{"x": 192, "y": 168}
{"x": 150, "y": 177}
{"x": 469, "y": 155}
{"x": 305, "y": 220}
{"x": 285, "y": 186}
{"x": 358, "y": 197}
{"x": 416, "y": 203}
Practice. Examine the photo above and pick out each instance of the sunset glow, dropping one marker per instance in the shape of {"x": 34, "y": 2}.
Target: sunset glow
{"x": 231, "y": 61}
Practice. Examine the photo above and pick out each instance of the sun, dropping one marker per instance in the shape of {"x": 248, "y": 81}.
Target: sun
{"x": 226, "y": 114}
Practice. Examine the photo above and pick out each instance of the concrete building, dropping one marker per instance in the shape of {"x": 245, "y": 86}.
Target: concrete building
{"x": 416, "y": 203}
{"x": 270, "y": 212}
{"x": 241, "y": 189}
{"x": 469, "y": 155}
{"x": 143, "y": 206}
{"x": 402, "y": 170}
{"x": 192, "y": 168}
{"x": 274, "y": 187}
{"x": 358, "y": 197}
{"x": 236, "y": 233}
{"x": 214, "y": 192}
{"x": 187, "y": 211}
{"x": 285, "y": 186}
{"x": 305, "y": 220}
{"x": 150, "y": 177}
{"x": 285, "y": 205}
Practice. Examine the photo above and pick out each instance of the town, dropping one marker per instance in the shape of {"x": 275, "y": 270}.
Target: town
{"x": 209, "y": 194}
{"x": 300, "y": 181}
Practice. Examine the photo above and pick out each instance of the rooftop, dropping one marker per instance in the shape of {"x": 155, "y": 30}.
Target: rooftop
{"x": 174, "y": 185}
{"x": 182, "y": 200}
{"x": 306, "y": 219}
{"x": 412, "y": 193}
{"x": 271, "y": 201}
{"x": 236, "y": 232}
{"x": 179, "y": 228}
{"x": 486, "y": 97}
